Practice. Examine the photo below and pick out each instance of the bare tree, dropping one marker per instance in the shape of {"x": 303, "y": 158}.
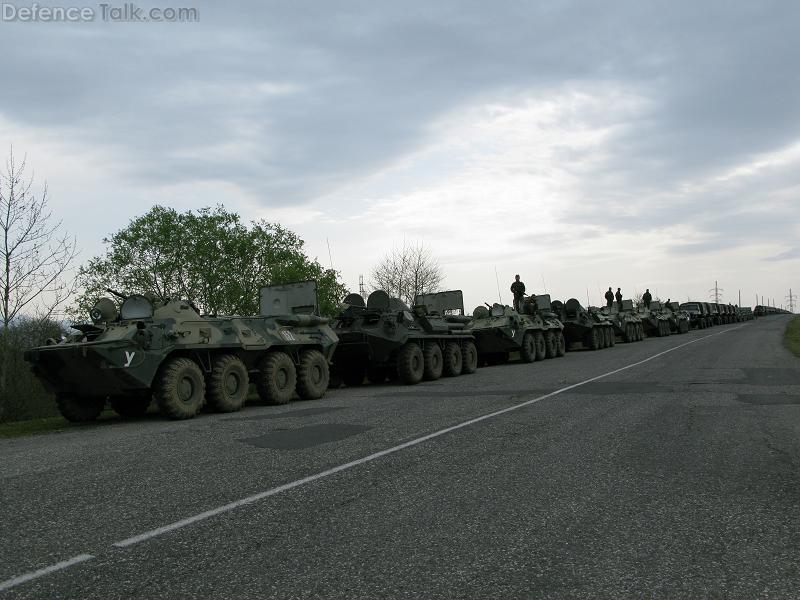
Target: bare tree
{"x": 34, "y": 257}
{"x": 408, "y": 271}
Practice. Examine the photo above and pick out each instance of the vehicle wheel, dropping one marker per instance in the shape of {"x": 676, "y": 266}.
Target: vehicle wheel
{"x": 541, "y": 345}
{"x": 353, "y": 374}
{"x": 313, "y": 374}
{"x": 228, "y": 384}
{"x": 432, "y": 357}
{"x": 612, "y": 337}
{"x": 527, "y": 351}
{"x": 592, "y": 340}
{"x": 410, "y": 363}
{"x": 277, "y": 378}
{"x": 603, "y": 338}
{"x": 550, "y": 342}
{"x": 452, "y": 359}
{"x": 80, "y": 410}
{"x": 627, "y": 335}
{"x": 376, "y": 374}
{"x": 469, "y": 358}
{"x": 561, "y": 344}
{"x": 640, "y": 327}
{"x": 131, "y": 406}
{"x": 180, "y": 389}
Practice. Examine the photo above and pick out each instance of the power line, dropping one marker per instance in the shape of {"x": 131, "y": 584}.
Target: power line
{"x": 716, "y": 292}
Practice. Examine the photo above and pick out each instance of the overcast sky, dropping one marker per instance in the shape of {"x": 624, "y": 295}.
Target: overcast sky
{"x": 579, "y": 144}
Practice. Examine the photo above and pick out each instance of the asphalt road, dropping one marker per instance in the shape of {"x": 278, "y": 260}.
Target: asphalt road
{"x": 676, "y": 475}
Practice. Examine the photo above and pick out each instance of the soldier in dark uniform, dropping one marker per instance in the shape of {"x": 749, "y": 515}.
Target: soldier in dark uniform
{"x": 518, "y": 289}
{"x": 647, "y": 298}
{"x": 609, "y": 298}
{"x": 618, "y": 296}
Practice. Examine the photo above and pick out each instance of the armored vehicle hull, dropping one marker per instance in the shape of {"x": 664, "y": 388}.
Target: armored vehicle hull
{"x": 655, "y": 320}
{"x": 584, "y": 327}
{"x": 535, "y": 334}
{"x": 384, "y": 339}
{"x": 679, "y": 320}
{"x": 626, "y": 323}
{"x": 168, "y": 351}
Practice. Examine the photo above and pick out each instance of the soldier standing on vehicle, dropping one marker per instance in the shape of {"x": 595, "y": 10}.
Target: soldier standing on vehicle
{"x": 518, "y": 289}
{"x": 609, "y": 298}
{"x": 647, "y": 298}
{"x": 618, "y": 296}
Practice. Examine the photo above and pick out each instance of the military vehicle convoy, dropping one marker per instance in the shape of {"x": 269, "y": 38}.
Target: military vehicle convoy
{"x": 679, "y": 321}
{"x": 535, "y": 333}
{"x": 385, "y": 339}
{"x": 656, "y": 322}
{"x": 167, "y": 350}
{"x": 698, "y": 317}
{"x": 582, "y": 326}
{"x": 626, "y": 322}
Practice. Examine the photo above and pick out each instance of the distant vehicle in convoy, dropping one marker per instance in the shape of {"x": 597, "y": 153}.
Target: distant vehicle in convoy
{"x": 679, "y": 320}
{"x": 655, "y": 320}
{"x": 535, "y": 333}
{"x": 588, "y": 328}
{"x": 167, "y": 350}
{"x": 746, "y": 313}
{"x": 385, "y": 339}
{"x": 699, "y": 315}
{"x": 626, "y": 323}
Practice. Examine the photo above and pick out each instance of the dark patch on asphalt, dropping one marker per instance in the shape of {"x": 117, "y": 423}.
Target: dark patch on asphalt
{"x": 769, "y": 399}
{"x": 771, "y": 376}
{"x": 306, "y": 437}
{"x": 609, "y": 388}
{"x": 289, "y": 414}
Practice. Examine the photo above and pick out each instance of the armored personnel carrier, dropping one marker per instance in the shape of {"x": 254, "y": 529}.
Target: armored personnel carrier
{"x": 386, "y": 339}
{"x": 582, "y": 326}
{"x": 167, "y": 350}
{"x": 679, "y": 321}
{"x": 535, "y": 334}
{"x": 698, "y": 317}
{"x": 626, "y": 322}
{"x": 655, "y": 320}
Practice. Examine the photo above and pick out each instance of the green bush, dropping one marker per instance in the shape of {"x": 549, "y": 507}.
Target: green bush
{"x": 792, "y": 336}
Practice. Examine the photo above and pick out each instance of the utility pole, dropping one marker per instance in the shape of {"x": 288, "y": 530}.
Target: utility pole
{"x": 716, "y": 292}
{"x": 790, "y": 298}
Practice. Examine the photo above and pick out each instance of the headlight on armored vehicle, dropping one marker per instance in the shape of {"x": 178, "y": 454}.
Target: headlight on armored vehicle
{"x": 104, "y": 311}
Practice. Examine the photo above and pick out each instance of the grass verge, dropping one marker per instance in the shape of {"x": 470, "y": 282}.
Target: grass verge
{"x": 791, "y": 338}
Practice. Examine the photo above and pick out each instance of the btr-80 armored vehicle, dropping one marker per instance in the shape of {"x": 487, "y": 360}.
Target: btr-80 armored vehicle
{"x": 536, "y": 333}
{"x": 626, "y": 322}
{"x": 679, "y": 320}
{"x": 168, "y": 350}
{"x": 386, "y": 339}
{"x": 655, "y": 319}
{"x": 580, "y": 325}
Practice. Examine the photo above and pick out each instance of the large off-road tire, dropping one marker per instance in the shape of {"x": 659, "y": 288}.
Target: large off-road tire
{"x": 612, "y": 337}
{"x": 80, "y": 410}
{"x": 228, "y": 384}
{"x": 541, "y": 345}
{"x": 313, "y": 374}
{"x": 561, "y": 344}
{"x": 410, "y": 363}
{"x": 377, "y": 374}
{"x": 452, "y": 358}
{"x": 527, "y": 351}
{"x": 640, "y": 327}
{"x": 627, "y": 333}
{"x": 469, "y": 358}
{"x": 131, "y": 406}
{"x": 180, "y": 389}
{"x": 551, "y": 344}
{"x": 433, "y": 361}
{"x": 603, "y": 338}
{"x": 277, "y": 378}
{"x": 352, "y": 374}
{"x": 592, "y": 339}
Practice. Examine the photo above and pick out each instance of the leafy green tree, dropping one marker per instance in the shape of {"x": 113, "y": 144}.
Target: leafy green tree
{"x": 209, "y": 257}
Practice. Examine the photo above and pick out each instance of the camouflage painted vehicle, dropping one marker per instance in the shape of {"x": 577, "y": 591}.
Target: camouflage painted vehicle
{"x": 679, "y": 320}
{"x": 535, "y": 334}
{"x": 385, "y": 339}
{"x": 698, "y": 317}
{"x": 626, "y": 322}
{"x": 746, "y": 313}
{"x": 167, "y": 350}
{"x": 655, "y": 319}
{"x": 582, "y": 326}
{"x": 713, "y": 310}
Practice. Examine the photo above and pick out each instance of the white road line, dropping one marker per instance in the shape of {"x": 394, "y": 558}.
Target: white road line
{"x": 10, "y": 583}
{"x": 147, "y": 535}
